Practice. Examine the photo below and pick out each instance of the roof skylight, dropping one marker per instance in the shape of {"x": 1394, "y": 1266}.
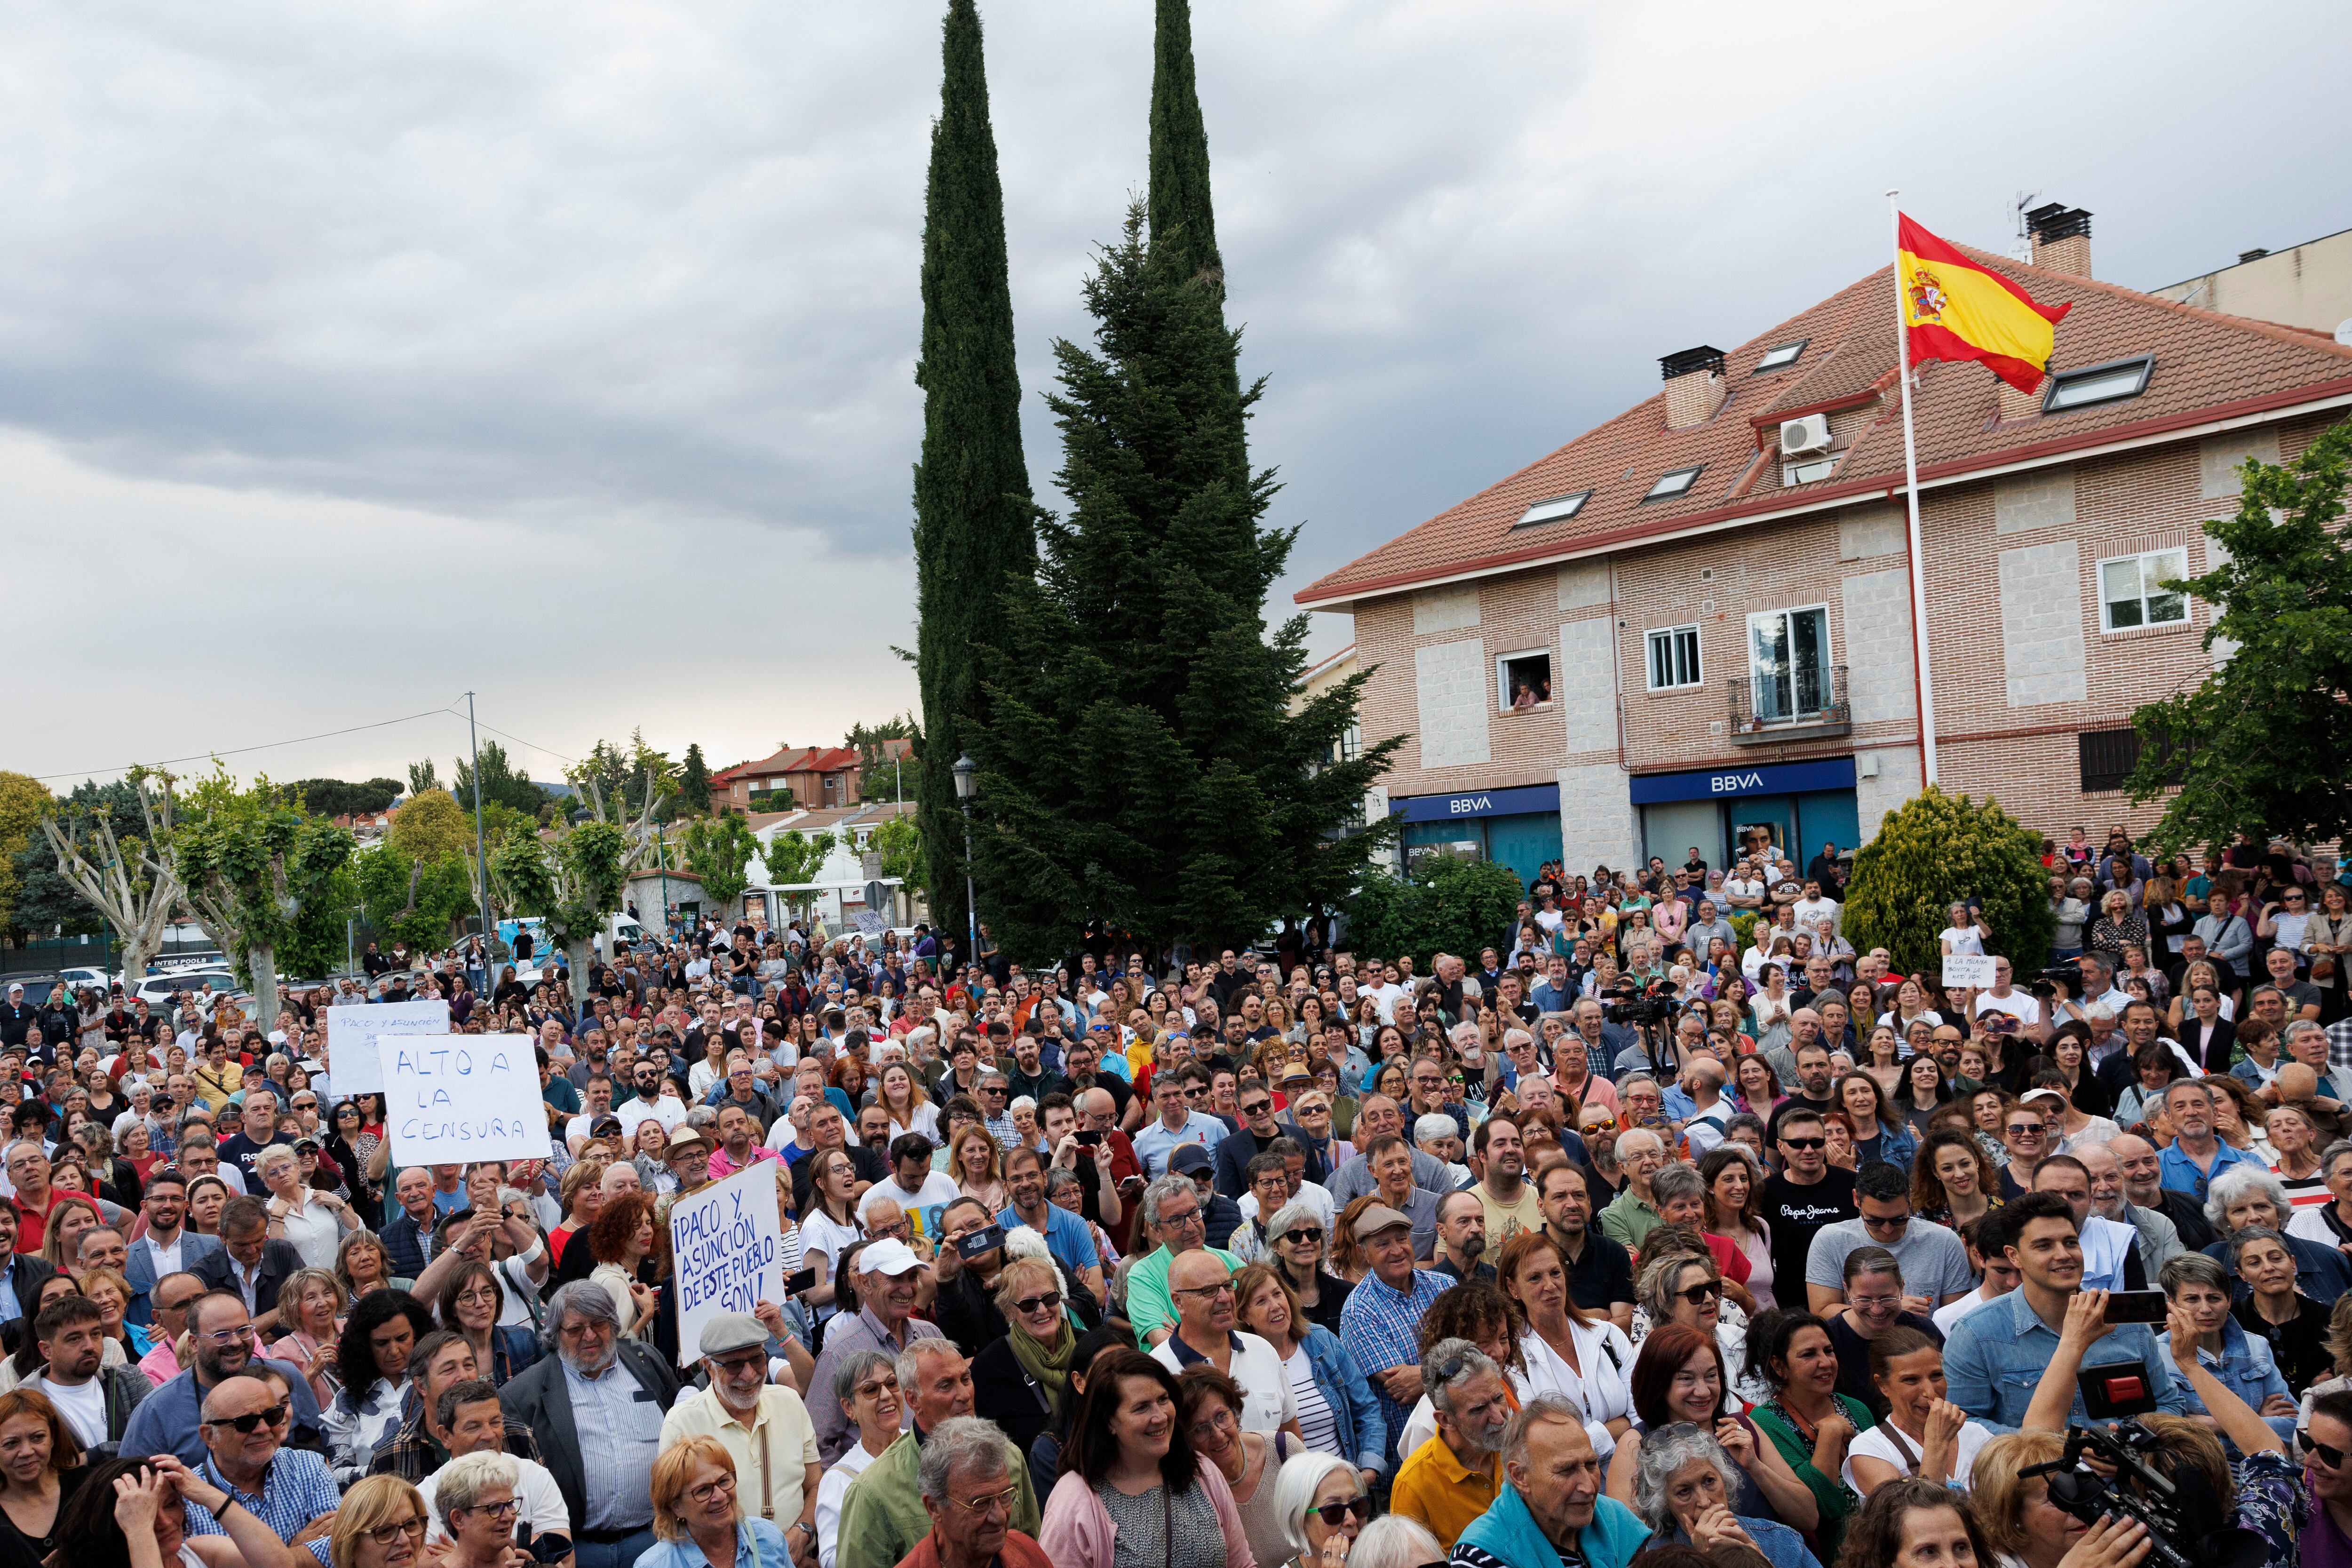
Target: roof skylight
{"x": 2109, "y": 383}
{"x": 1557, "y": 510}
{"x": 1784, "y": 355}
{"x": 1671, "y": 485}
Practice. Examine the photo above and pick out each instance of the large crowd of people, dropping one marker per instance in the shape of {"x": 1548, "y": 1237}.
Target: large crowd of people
{"x": 1667, "y": 1225}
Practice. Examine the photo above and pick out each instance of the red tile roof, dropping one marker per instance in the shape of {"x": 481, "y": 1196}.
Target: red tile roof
{"x": 2208, "y": 366}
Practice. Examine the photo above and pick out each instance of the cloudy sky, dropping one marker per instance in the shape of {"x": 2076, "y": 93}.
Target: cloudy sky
{"x": 352, "y": 357}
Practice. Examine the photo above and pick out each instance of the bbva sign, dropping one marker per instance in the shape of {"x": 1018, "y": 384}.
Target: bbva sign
{"x": 1732, "y": 784}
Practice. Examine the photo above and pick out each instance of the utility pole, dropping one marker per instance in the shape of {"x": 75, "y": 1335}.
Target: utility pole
{"x": 482, "y": 860}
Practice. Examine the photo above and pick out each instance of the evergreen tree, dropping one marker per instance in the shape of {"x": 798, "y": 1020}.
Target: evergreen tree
{"x": 973, "y": 517}
{"x": 1183, "y": 218}
{"x": 1140, "y": 764}
{"x": 694, "y": 781}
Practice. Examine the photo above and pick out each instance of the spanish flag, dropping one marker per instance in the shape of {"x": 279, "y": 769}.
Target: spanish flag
{"x": 1955, "y": 308}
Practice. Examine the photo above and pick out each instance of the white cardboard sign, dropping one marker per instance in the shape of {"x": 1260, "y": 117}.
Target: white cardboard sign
{"x": 455, "y": 1098}
{"x": 728, "y": 1244}
{"x": 1967, "y": 969}
{"x": 352, "y": 1063}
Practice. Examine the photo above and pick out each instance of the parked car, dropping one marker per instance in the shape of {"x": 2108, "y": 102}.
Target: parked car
{"x": 164, "y": 991}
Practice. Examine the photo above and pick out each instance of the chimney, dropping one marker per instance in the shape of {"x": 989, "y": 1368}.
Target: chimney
{"x": 2254, "y": 255}
{"x": 2061, "y": 239}
{"x": 1694, "y": 387}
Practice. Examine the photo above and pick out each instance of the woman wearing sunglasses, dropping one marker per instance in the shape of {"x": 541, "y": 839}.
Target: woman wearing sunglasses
{"x": 1021, "y": 1379}
{"x": 1323, "y": 1505}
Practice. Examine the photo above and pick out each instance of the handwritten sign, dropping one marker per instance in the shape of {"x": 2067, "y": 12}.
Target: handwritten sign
{"x": 728, "y": 1245}
{"x": 352, "y": 1033}
{"x": 1967, "y": 969}
{"x": 455, "y": 1098}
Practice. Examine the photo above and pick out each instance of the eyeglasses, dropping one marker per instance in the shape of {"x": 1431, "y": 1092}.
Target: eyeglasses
{"x": 1258, "y": 1108}
{"x": 386, "y": 1534}
{"x": 986, "y": 1503}
{"x": 1699, "y": 1295}
{"x": 2025, "y": 1130}
{"x": 1879, "y": 1222}
{"x": 226, "y": 1337}
{"x": 1051, "y": 1302}
{"x": 511, "y": 1507}
{"x": 1219, "y": 1420}
{"x": 1331, "y": 1513}
{"x": 1875, "y": 1303}
{"x": 1304, "y": 1232}
{"x": 2333, "y": 1458}
{"x": 275, "y": 1416}
{"x": 1187, "y": 1218}
{"x": 1222, "y": 1288}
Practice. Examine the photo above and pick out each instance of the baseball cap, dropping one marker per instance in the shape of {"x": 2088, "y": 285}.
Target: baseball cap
{"x": 1191, "y": 1157}
{"x": 732, "y": 1331}
{"x": 1378, "y": 1218}
{"x": 2033, "y": 1094}
{"x": 889, "y": 1256}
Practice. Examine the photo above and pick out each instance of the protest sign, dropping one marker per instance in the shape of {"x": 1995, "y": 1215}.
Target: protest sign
{"x": 455, "y": 1098}
{"x": 728, "y": 1247}
{"x": 1967, "y": 969}
{"x": 352, "y": 1034}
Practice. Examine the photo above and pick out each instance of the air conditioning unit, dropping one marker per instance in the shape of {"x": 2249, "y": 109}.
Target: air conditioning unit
{"x": 1809, "y": 434}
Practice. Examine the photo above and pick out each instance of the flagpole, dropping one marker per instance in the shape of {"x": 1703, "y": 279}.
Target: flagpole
{"x": 1911, "y": 493}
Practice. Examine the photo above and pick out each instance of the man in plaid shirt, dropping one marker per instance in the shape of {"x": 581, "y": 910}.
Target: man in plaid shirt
{"x": 1381, "y": 1324}
{"x": 244, "y": 1423}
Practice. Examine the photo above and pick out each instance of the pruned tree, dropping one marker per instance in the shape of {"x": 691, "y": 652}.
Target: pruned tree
{"x": 412, "y": 898}
{"x": 131, "y": 881}
{"x": 575, "y": 881}
{"x": 718, "y": 849}
{"x": 251, "y": 862}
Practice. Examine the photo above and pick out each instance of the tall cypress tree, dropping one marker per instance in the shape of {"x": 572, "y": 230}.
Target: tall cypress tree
{"x": 1183, "y": 218}
{"x": 974, "y": 525}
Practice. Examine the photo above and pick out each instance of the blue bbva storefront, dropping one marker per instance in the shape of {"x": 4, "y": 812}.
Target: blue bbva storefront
{"x": 1519, "y": 827}
{"x": 1804, "y": 805}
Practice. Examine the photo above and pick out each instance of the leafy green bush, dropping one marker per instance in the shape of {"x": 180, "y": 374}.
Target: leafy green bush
{"x": 1937, "y": 850}
{"x": 1456, "y": 906}
{"x": 1743, "y": 928}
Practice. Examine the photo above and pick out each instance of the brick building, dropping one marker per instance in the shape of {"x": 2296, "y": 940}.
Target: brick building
{"x": 818, "y": 777}
{"x": 1696, "y": 619}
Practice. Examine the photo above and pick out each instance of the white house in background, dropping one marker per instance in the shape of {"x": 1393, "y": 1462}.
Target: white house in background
{"x": 836, "y": 893}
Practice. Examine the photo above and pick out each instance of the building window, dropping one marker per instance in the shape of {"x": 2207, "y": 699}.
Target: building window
{"x": 1785, "y": 354}
{"x": 1673, "y": 657}
{"x": 1557, "y": 510}
{"x": 2108, "y": 757}
{"x": 1808, "y": 471}
{"x": 1789, "y": 662}
{"x": 1523, "y": 680}
{"x": 1674, "y": 484}
{"x": 2131, "y": 591}
{"x": 1352, "y": 743}
{"x": 2109, "y": 383}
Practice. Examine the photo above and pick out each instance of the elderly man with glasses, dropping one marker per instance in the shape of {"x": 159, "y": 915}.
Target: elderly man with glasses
{"x": 170, "y": 1420}
{"x": 598, "y": 1406}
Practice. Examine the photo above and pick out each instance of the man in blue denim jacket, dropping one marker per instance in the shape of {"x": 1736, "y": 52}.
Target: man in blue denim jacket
{"x": 1999, "y": 1354}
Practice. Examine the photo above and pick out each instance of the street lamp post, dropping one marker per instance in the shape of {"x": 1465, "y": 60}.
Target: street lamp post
{"x": 967, "y": 780}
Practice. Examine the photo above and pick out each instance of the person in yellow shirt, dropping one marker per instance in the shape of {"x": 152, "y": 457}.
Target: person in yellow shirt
{"x": 1451, "y": 1478}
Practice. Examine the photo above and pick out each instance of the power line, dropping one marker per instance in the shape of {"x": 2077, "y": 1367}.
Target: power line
{"x": 519, "y": 741}
{"x": 265, "y": 746}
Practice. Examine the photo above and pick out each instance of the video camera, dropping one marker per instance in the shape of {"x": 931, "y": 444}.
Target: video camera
{"x": 2068, "y": 975}
{"x": 2187, "y": 1525}
{"x": 1640, "y": 1006}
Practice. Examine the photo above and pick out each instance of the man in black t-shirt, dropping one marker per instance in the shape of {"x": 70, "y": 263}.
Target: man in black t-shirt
{"x": 257, "y": 1132}
{"x": 1805, "y": 1195}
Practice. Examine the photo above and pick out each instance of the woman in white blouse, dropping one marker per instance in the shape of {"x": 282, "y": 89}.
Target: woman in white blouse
{"x": 315, "y": 1222}
{"x": 1571, "y": 1353}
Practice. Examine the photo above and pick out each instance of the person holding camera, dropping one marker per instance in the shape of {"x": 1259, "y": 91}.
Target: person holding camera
{"x": 2020, "y": 1353}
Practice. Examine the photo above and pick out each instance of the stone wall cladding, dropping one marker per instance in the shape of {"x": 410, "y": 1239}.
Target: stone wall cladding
{"x": 1898, "y": 780}
{"x": 2124, "y": 502}
{"x": 1878, "y": 645}
{"x": 1596, "y": 816}
{"x": 1587, "y": 701}
{"x": 1448, "y": 609}
{"x": 2218, "y": 458}
{"x": 2037, "y": 499}
{"x": 2041, "y": 623}
{"x": 1450, "y": 684}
